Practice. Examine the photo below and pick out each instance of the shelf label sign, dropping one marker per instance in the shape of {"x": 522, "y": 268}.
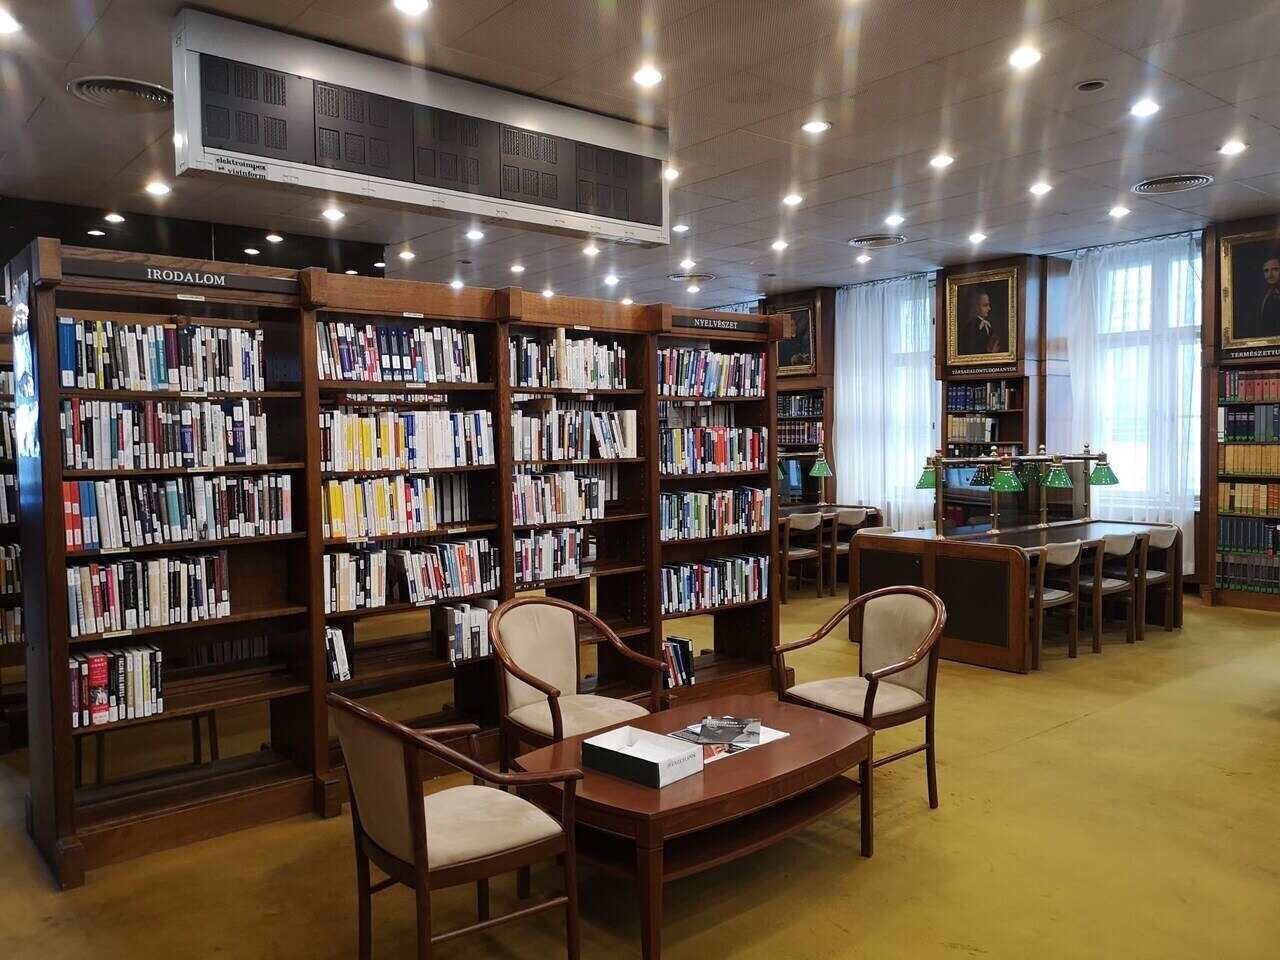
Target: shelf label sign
{"x": 720, "y": 323}
{"x": 150, "y": 273}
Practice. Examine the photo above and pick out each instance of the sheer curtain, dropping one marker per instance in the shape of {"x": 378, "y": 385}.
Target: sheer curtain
{"x": 1133, "y": 341}
{"x": 886, "y": 399}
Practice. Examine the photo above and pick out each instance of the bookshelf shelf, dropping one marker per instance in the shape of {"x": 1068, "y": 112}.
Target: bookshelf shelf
{"x": 596, "y": 570}
{"x": 407, "y": 664}
{"x": 452, "y": 530}
{"x": 578, "y": 462}
{"x": 404, "y": 607}
{"x": 683, "y": 541}
{"x": 178, "y": 395}
{"x": 579, "y": 393}
{"x": 187, "y": 545}
{"x": 713, "y": 610}
{"x": 248, "y": 615}
{"x": 353, "y": 474}
{"x": 281, "y": 467}
{"x": 387, "y": 386}
{"x": 618, "y": 517}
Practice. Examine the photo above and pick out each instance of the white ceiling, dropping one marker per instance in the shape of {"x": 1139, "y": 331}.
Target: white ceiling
{"x": 898, "y": 79}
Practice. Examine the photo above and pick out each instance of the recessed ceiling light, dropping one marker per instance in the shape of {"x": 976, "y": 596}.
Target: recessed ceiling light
{"x": 977, "y": 237}
{"x": 942, "y": 160}
{"x": 590, "y": 249}
{"x": 113, "y": 218}
{"x": 627, "y": 301}
{"x": 895, "y": 219}
{"x": 475, "y": 234}
{"x": 456, "y": 284}
{"x": 97, "y": 233}
{"x": 688, "y": 263}
{"x": 864, "y": 258}
{"x": 1040, "y": 188}
{"x": 611, "y": 280}
{"x": 694, "y": 288}
{"x": 680, "y": 228}
{"x": 1144, "y": 108}
{"x": 671, "y": 173}
{"x": 350, "y": 273}
{"x": 333, "y": 213}
{"x": 1232, "y": 147}
{"x": 274, "y": 238}
{"x": 413, "y": 8}
{"x": 1119, "y": 212}
{"x": 7, "y": 23}
{"x": 406, "y": 254}
{"x": 793, "y": 199}
{"x": 1024, "y": 57}
{"x": 647, "y": 77}
{"x": 816, "y": 126}
{"x": 779, "y": 244}
{"x": 157, "y": 188}
{"x": 252, "y": 251}
{"x": 380, "y": 265}
{"x": 548, "y": 293}
{"x": 517, "y": 268}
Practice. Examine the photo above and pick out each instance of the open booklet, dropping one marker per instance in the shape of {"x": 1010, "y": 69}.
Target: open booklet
{"x": 723, "y": 736}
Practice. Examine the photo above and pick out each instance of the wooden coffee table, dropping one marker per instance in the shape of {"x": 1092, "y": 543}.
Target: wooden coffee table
{"x": 735, "y": 806}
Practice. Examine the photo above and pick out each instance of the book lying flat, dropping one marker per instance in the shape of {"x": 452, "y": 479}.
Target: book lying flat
{"x": 724, "y": 736}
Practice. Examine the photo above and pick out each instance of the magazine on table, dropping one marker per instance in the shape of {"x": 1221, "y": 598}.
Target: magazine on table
{"x": 725, "y": 736}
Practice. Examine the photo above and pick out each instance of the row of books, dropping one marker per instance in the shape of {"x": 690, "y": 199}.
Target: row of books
{"x": 365, "y": 507}
{"x": 1249, "y": 459}
{"x": 381, "y": 353}
{"x": 8, "y": 498}
{"x": 1259, "y": 423}
{"x": 409, "y": 440}
{"x": 560, "y": 496}
{"x": 110, "y": 686}
{"x": 365, "y": 579}
{"x": 1004, "y": 448}
{"x": 10, "y": 569}
{"x": 678, "y": 413}
{"x": 1249, "y": 498}
{"x": 574, "y": 435}
{"x": 586, "y": 364}
{"x": 712, "y": 450}
{"x": 677, "y": 654}
{"x": 116, "y": 514}
{"x": 799, "y": 432}
{"x": 461, "y": 630}
{"x": 980, "y": 429}
{"x": 979, "y": 397}
{"x": 162, "y": 434}
{"x": 134, "y": 594}
{"x": 337, "y": 664}
{"x": 236, "y": 650}
{"x": 685, "y": 372}
{"x": 105, "y": 355}
{"x": 1247, "y": 385}
{"x": 1251, "y": 574}
{"x": 8, "y": 450}
{"x": 800, "y": 405}
{"x": 11, "y": 625}
{"x": 714, "y": 582}
{"x": 1248, "y": 535}
{"x": 699, "y": 514}
{"x": 549, "y": 554}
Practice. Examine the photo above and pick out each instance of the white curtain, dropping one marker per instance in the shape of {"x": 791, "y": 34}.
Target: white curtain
{"x": 886, "y": 399}
{"x": 1133, "y": 341}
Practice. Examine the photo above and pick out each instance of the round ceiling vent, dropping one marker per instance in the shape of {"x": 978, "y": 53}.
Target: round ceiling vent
{"x": 874, "y": 241}
{"x": 121, "y": 93}
{"x": 1092, "y": 86}
{"x": 1174, "y": 183}
{"x": 691, "y": 277}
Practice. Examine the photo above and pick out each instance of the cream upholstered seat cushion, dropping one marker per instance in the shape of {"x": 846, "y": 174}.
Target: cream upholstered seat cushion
{"x": 800, "y": 553}
{"x": 1157, "y": 576}
{"x": 849, "y": 695}
{"x": 1053, "y": 595}
{"x": 1108, "y": 583}
{"x": 579, "y": 713}
{"x": 469, "y": 822}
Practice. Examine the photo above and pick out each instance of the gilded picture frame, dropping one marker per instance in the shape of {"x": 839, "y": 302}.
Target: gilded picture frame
{"x": 972, "y": 298}
{"x": 1250, "y": 290}
{"x": 798, "y": 355}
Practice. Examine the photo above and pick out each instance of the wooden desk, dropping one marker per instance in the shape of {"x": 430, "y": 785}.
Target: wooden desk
{"x": 737, "y": 805}
{"x": 984, "y": 579}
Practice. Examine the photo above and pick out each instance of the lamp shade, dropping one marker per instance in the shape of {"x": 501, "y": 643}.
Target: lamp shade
{"x": 820, "y": 468}
{"x": 1006, "y": 481}
{"x": 1057, "y": 478}
{"x": 928, "y": 479}
{"x": 1103, "y": 475}
{"x": 982, "y": 476}
{"x": 1029, "y": 473}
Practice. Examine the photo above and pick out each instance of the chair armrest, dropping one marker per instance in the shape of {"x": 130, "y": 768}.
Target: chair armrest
{"x": 796, "y": 644}
{"x": 532, "y": 779}
{"x": 442, "y": 733}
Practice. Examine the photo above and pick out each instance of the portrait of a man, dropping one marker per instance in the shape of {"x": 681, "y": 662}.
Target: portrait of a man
{"x": 981, "y": 319}
{"x": 796, "y": 356}
{"x": 1251, "y": 290}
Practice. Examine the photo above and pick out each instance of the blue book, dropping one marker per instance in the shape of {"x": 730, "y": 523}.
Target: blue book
{"x": 67, "y": 351}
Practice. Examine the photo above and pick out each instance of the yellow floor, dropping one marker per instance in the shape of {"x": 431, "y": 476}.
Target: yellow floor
{"x": 1117, "y": 806}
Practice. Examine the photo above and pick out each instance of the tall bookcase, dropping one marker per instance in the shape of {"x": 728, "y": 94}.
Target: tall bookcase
{"x": 274, "y": 684}
{"x": 804, "y": 428}
{"x": 13, "y": 694}
{"x": 805, "y": 397}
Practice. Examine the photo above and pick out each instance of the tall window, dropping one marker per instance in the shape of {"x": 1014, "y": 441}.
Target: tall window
{"x": 1134, "y": 350}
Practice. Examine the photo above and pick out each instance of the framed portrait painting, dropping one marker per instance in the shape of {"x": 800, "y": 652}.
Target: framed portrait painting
{"x": 1251, "y": 290}
{"x": 982, "y": 317}
{"x": 796, "y": 354}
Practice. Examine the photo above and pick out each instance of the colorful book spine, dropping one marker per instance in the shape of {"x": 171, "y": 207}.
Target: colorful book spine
{"x": 394, "y": 353}
{"x": 567, "y": 364}
{"x": 710, "y": 450}
{"x": 414, "y": 440}
{"x": 692, "y": 372}
{"x": 124, "y": 595}
{"x": 714, "y": 582}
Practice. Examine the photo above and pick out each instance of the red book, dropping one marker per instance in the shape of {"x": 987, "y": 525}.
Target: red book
{"x": 99, "y": 700}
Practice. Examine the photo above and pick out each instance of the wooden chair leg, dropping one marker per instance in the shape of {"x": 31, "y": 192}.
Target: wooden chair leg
{"x": 482, "y": 899}
{"x": 571, "y": 897}
{"x": 423, "y": 899}
{"x": 1140, "y": 615}
{"x": 1096, "y": 610}
{"x": 1130, "y": 614}
{"x": 1168, "y": 606}
{"x": 364, "y": 905}
{"x": 1073, "y": 626}
{"x": 867, "y": 818}
{"x": 931, "y": 760}
{"x": 522, "y": 883}
{"x": 1037, "y": 634}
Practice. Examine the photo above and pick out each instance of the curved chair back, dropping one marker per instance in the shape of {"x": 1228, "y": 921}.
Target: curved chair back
{"x": 804, "y": 522}
{"x": 539, "y": 636}
{"x": 1062, "y": 554}
{"x": 1118, "y": 544}
{"x": 854, "y": 517}
{"x": 1162, "y": 538}
{"x": 882, "y": 531}
{"x": 894, "y": 625}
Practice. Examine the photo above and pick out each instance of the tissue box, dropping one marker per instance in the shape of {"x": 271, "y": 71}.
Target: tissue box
{"x": 650, "y": 759}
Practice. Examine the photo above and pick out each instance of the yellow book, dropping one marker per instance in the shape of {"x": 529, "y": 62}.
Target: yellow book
{"x": 336, "y": 513}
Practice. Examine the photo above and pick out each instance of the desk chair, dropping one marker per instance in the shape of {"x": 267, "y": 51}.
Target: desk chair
{"x": 897, "y": 663}
{"x": 1044, "y": 598}
{"x": 1113, "y": 573}
{"x": 536, "y": 649}
{"x": 464, "y": 834}
{"x": 1160, "y": 572}
{"x": 798, "y": 530}
{"x": 845, "y": 520}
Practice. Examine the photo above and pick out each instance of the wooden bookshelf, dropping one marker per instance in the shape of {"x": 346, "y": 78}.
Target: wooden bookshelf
{"x": 13, "y": 656}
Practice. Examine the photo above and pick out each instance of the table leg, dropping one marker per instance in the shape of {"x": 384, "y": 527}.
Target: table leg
{"x": 649, "y": 880}
{"x": 867, "y": 822}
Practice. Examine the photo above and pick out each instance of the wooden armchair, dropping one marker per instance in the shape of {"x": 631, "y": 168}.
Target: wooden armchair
{"x": 1064, "y": 558}
{"x": 847, "y": 520}
{"x": 1114, "y": 573}
{"x": 898, "y": 667}
{"x": 464, "y": 834}
{"x": 535, "y": 645}
{"x": 1161, "y": 572}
